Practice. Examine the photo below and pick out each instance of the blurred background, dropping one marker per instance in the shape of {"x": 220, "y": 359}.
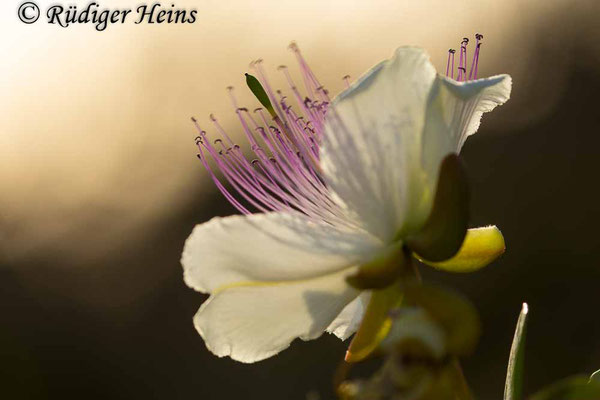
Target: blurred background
{"x": 100, "y": 186}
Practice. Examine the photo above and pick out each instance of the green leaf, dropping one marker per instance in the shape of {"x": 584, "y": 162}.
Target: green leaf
{"x": 595, "y": 377}
{"x": 375, "y": 324}
{"x": 480, "y": 247}
{"x": 446, "y": 227}
{"x": 455, "y": 315}
{"x": 575, "y": 388}
{"x": 516, "y": 361}
{"x": 261, "y": 95}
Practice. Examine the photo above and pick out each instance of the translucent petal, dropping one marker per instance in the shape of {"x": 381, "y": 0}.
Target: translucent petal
{"x": 269, "y": 247}
{"x": 349, "y": 319}
{"x": 372, "y": 140}
{"x": 252, "y": 322}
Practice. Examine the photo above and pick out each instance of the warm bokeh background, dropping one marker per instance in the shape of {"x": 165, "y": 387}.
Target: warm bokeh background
{"x": 99, "y": 187}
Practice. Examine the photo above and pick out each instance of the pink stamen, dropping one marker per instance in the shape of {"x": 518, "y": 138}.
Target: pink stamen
{"x": 473, "y": 73}
{"x": 450, "y": 63}
{"x": 462, "y": 61}
{"x": 285, "y": 174}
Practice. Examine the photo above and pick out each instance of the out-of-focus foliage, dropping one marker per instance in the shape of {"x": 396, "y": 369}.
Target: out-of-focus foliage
{"x": 595, "y": 377}
{"x": 454, "y": 314}
{"x": 424, "y": 337}
{"x": 575, "y": 388}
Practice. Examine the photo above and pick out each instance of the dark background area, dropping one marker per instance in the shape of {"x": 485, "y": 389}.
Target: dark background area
{"x": 538, "y": 181}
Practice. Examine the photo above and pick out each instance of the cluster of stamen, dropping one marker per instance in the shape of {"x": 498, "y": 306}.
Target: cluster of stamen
{"x": 462, "y": 61}
{"x": 285, "y": 173}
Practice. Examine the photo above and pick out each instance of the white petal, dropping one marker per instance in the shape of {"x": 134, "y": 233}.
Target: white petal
{"x": 372, "y": 140}
{"x": 269, "y": 248}
{"x": 350, "y": 318}
{"x": 387, "y": 134}
{"x": 251, "y": 323}
{"x": 454, "y": 113}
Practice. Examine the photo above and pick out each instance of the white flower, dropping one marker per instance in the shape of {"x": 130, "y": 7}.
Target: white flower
{"x": 339, "y": 188}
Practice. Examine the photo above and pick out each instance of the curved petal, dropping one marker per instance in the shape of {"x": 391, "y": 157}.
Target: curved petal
{"x": 454, "y": 113}
{"x": 348, "y": 321}
{"x": 251, "y": 323}
{"x": 372, "y": 140}
{"x": 269, "y": 247}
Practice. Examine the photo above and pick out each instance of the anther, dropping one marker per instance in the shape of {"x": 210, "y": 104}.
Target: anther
{"x": 478, "y": 36}
{"x": 217, "y": 141}
{"x": 346, "y": 80}
{"x": 212, "y": 117}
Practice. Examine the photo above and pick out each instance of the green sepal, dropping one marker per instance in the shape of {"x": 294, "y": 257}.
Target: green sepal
{"x": 480, "y": 247}
{"x": 455, "y": 315}
{"x": 513, "y": 387}
{"x": 382, "y": 271}
{"x": 446, "y": 227}
{"x": 375, "y": 324}
{"x": 260, "y": 93}
{"x": 575, "y": 388}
